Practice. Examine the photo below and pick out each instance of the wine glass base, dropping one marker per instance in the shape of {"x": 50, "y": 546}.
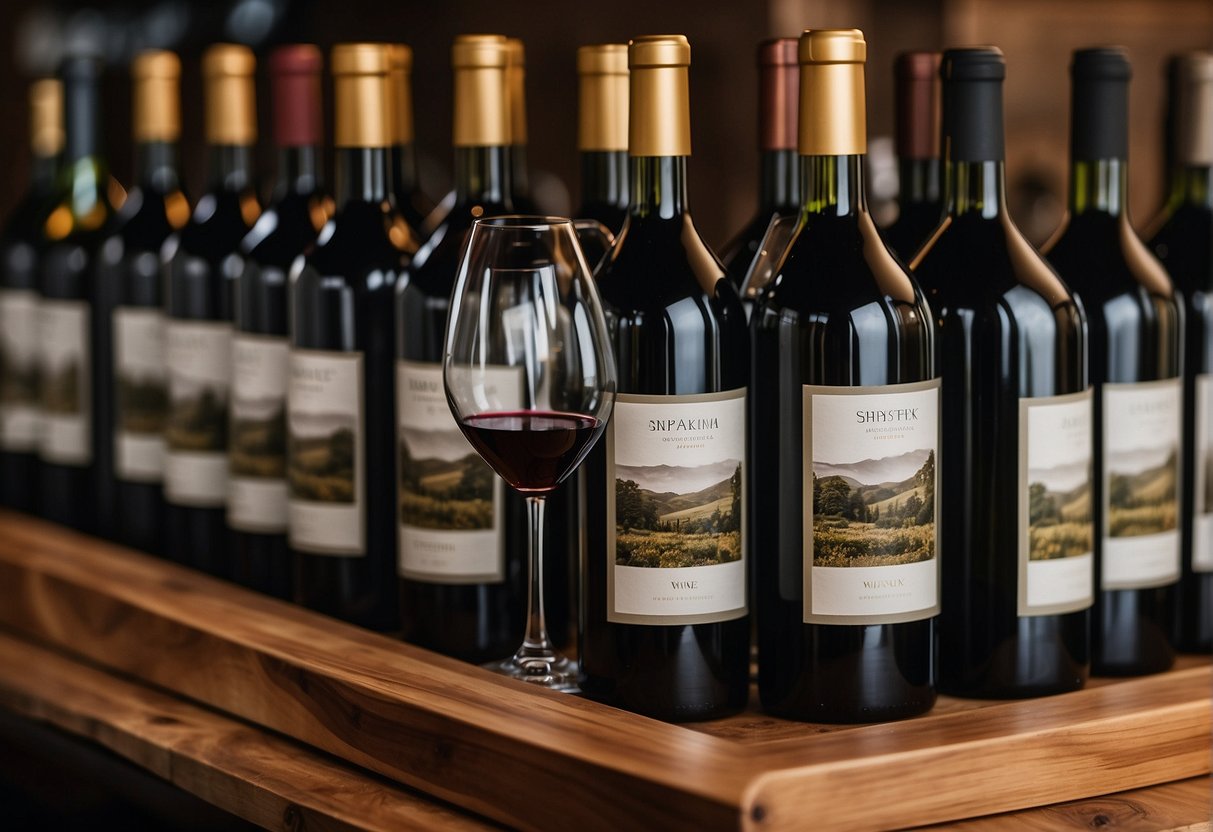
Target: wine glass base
{"x": 549, "y": 672}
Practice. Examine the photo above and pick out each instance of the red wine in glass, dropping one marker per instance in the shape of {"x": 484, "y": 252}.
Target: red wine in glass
{"x": 533, "y": 450}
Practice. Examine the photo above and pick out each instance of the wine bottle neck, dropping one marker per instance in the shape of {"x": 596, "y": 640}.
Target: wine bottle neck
{"x": 919, "y": 182}
{"x": 81, "y": 118}
{"x": 976, "y": 188}
{"x": 1098, "y": 185}
{"x": 604, "y": 177}
{"x": 780, "y": 186}
{"x": 833, "y": 185}
{"x": 158, "y": 166}
{"x": 362, "y": 175}
{"x": 659, "y": 187}
{"x": 404, "y": 169}
{"x": 482, "y": 174}
{"x": 1191, "y": 185}
{"x": 298, "y": 170}
{"x": 231, "y": 167}
{"x": 520, "y": 175}
{"x": 44, "y": 170}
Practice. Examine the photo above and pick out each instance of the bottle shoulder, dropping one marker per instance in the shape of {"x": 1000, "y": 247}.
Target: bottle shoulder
{"x": 656, "y": 263}
{"x": 219, "y": 221}
{"x": 979, "y": 263}
{"x": 433, "y": 268}
{"x": 1184, "y": 245}
{"x": 147, "y": 218}
{"x": 835, "y": 264}
{"x": 1101, "y": 257}
{"x": 286, "y": 229}
{"x": 356, "y": 243}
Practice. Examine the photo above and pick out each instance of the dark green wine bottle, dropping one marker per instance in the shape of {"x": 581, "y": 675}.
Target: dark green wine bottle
{"x": 1136, "y": 339}
{"x": 70, "y": 323}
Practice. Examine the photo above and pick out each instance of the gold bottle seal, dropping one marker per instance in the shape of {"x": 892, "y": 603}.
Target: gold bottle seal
{"x": 659, "y": 123}
{"x": 482, "y": 113}
{"x": 362, "y": 95}
{"x": 46, "y": 117}
{"x": 515, "y": 87}
{"x": 231, "y": 103}
{"x": 157, "y": 99}
{"x": 833, "y": 118}
{"x": 1194, "y": 130}
{"x": 400, "y": 62}
{"x": 602, "y": 117}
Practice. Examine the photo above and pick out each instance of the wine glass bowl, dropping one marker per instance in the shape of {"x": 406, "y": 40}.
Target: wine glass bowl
{"x": 530, "y": 379}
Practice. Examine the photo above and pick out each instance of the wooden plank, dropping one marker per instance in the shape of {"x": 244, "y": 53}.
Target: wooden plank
{"x": 541, "y": 760}
{"x": 1173, "y": 807}
{"x": 263, "y": 778}
{"x": 450, "y": 729}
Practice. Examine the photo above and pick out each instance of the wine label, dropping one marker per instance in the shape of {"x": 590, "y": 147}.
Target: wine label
{"x": 1142, "y": 426}
{"x": 451, "y": 502}
{"x": 198, "y": 356}
{"x": 141, "y": 379}
{"x": 324, "y": 453}
{"x": 18, "y": 370}
{"x": 676, "y": 508}
{"x": 1056, "y": 525}
{"x": 871, "y": 517}
{"x": 1202, "y": 458}
{"x": 65, "y": 431}
{"x": 256, "y": 496}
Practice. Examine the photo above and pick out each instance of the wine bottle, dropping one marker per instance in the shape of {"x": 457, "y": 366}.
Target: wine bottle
{"x": 340, "y": 404}
{"x": 520, "y": 172}
{"x": 21, "y": 245}
{"x": 462, "y": 547}
{"x": 779, "y": 186}
{"x": 919, "y": 194}
{"x": 665, "y": 629}
{"x": 1011, "y": 348}
{"x": 602, "y": 134}
{"x": 1136, "y": 342}
{"x": 299, "y": 208}
{"x": 845, "y": 436}
{"x": 411, "y": 202}
{"x": 70, "y": 446}
{"x": 200, "y": 272}
{"x": 129, "y": 296}
{"x": 1184, "y": 244}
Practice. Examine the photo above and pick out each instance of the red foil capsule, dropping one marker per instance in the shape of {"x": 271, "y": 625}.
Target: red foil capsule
{"x": 917, "y": 103}
{"x": 778, "y": 94}
{"x": 295, "y": 72}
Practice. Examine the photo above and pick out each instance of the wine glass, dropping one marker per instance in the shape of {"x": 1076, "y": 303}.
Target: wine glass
{"x": 530, "y": 378}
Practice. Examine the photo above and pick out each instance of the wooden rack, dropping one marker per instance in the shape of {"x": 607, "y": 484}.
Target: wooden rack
{"x": 219, "y": 654}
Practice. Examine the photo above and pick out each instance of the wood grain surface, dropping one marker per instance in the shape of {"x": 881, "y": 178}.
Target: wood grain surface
{"x": 539, "y": 760}
{"x": 268, "y": 780}
{"x": 1174, "y": 807}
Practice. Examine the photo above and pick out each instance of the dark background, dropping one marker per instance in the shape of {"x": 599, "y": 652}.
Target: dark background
{"x": 1036, "y": 35}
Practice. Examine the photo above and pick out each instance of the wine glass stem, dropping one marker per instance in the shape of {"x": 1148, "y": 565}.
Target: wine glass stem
{"x": 536, "y": 640}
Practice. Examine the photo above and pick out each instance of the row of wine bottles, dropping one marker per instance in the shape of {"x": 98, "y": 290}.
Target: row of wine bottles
{"x": 915, "y": 479}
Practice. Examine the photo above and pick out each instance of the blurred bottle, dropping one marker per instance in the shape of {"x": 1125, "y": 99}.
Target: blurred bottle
{"x": 299, "y": 208}
{"x": 21, "y": 246}
{"x": 520, "y": 171}
{"x": 920, "y": 177}
{"x": 779, "y": 186}
{"x": 199, "y": 275}
{"x": 130, "y": 298}
{"x": 341, "y": 448}
{"x": 602, "y": 134}
{"x": 412, "y": 204}
{"x": 1184, "y": 244}
{"x": 72, "y": 445}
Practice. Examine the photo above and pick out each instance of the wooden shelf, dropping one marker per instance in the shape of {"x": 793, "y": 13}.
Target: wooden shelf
{"x": 532, "y": 759}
